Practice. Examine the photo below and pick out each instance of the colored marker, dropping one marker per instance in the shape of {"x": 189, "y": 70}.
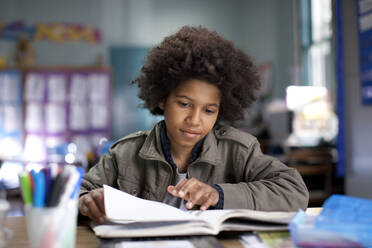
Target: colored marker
{"x": 77, "y": 185}
{"x": 39, "y": 189}
{"x": 73, "y": 178}
{"x": 48, "y": 182}
{"x": 31, "y": 178}
{"x": 26, "y": 187}
{"x": 58, "y": 186}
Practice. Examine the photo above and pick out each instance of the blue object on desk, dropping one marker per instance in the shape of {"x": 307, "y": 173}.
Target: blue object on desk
{"x": 344, "y": 221}
{"x": 348, "y": 216}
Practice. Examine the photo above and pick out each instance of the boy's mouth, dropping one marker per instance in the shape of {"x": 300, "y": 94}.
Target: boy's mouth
{"x": 190, "y": 133}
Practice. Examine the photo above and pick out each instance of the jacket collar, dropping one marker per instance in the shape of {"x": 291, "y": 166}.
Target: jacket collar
{"x": 152, "y": 147}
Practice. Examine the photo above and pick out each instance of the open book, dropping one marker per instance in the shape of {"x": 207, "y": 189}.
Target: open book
{"x": 129, "y": 216}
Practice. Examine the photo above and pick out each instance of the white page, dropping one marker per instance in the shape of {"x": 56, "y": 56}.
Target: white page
{"x": 11, "y": 88}
{"x": 98, "y": 115}
{"x": 99, "y": 86}
{"x": 55, "y": 118}
{"x": 152, "y": 229}
{"x": 155, "y": 243}
{"x": 57, "y": 88}
{"x": 78, "y": 116}
{"x": 35, "y": 86}
{"x": 1, "y": 116}
{"x": 78, "y": 91}
{"x": 2, "y": 87}
{"x": 12, "y": 118}
{"x": 34, "y": 117}
{"x": 123, "y": 206}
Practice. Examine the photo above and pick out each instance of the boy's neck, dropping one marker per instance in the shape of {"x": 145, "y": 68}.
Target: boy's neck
{"x": 181, "y": 158}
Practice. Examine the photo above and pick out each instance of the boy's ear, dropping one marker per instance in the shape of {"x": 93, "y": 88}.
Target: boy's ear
{"x": 161, "y": 105}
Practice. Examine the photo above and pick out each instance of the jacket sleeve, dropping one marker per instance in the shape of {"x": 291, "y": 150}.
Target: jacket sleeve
{"x": 266, "y": 184}
{"x": 104, "y": 172}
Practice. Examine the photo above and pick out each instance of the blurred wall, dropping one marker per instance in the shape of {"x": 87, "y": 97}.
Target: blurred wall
{"x": 268, "y": 36}
{"x": 262, "y": 28}
{"x": 358, "y": 117}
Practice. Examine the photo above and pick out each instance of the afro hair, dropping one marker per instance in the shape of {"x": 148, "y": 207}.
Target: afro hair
{"x": 197, "y": 53}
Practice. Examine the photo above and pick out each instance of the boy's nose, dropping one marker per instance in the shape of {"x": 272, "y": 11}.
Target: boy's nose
{"x": 194, "y": 117}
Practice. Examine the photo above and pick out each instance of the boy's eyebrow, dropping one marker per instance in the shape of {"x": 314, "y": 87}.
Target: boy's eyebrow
{"x": 190, "y": 99}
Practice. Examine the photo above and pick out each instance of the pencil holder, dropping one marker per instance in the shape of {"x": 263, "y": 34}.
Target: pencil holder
{"x": 53, "y": 227}
{"x": 5, "y": 233}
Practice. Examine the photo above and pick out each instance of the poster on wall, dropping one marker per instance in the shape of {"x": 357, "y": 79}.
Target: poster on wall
{"x": 364, "y": 15}
{"x": 58, "y": 32}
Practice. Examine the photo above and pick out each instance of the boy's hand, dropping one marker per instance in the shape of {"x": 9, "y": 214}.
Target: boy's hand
{"x": 195, "y": 193}
{"x": 92, "y": 205}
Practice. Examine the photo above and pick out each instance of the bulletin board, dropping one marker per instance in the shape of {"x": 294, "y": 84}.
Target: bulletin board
{"x": 65, "y": 106}
{"x": 42, "y": 109}
{"x": 11, "y": 114}
{"x": 364, "y": 15}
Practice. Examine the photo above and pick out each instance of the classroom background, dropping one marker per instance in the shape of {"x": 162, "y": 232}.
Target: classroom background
{"x": 65, "y": 69}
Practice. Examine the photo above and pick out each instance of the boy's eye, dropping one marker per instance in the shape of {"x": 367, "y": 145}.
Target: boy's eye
{"x": 209, "y": 111}
{"x": 184, "y": 104}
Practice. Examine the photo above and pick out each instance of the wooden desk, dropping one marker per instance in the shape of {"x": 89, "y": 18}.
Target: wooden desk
{"x": 85, "y": 237}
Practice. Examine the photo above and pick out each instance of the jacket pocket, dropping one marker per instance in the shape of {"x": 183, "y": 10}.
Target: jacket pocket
{"x": 148, "y": 195}
{"x": 136, "y": 190}
{"x": 129, "y": 187}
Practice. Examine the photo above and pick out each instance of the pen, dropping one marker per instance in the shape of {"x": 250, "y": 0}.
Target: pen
{"x": 31, "y": 179}
{"x": 57, "y": 182}
{"x": 58, "y": 188}
{"x": 39, "y": 189}
{"x": 25, "y": 187}
{"x": 47, "y": 176}
{"x": 73, "y": 178}
{"x": 77, "y": 185}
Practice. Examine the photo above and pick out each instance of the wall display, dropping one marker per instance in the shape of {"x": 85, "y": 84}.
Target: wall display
{"x": 11, "y": 114}
{"x": 55, "y": 32}
{"x": 65, "y": 106}
{"x": 364, "y": 15}
{"x": 44, "y": 109}
{"x": 11, "y": 127}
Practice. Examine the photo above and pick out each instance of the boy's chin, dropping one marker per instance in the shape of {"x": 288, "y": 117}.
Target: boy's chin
{"x": 189, "y": 144}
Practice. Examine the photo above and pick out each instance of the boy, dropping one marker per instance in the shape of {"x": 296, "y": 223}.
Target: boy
{"x": 196, "y": 79}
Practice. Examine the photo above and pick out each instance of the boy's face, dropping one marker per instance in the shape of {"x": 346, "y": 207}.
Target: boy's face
{"x": 190, "y": 112}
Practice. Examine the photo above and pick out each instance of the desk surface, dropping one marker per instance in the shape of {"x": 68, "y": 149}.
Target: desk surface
{"x": 86, "y": 238}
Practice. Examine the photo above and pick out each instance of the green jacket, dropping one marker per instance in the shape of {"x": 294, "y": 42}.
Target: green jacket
{"x": 230, "y": 158}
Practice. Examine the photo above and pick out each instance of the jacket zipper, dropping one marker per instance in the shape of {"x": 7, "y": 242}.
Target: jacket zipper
{"x": 169, "y": 178}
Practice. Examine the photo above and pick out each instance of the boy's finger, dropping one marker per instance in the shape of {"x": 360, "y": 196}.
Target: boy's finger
{"x": 93, "y": 211}
{"x": 189, "y": 188}
{"x": 207, "y": 204}
{"x": 189, "y": 205}
{"x": 84, "y": 209}
{"x": 98, "y": 197}
{"x": 170, "y": 189}
{"x": 180, "y": 185}
{"x": 199, "y": 196}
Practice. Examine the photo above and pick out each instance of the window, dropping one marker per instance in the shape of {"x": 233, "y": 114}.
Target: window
{"x": 316, "y": 43}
